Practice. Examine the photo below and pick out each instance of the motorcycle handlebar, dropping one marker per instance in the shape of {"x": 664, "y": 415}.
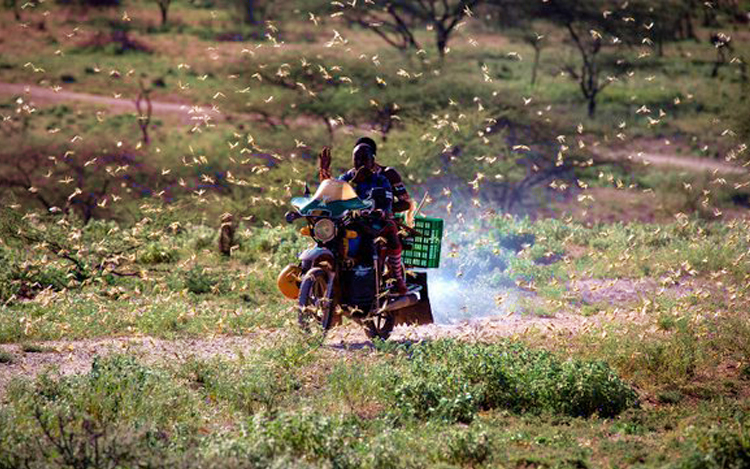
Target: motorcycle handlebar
{"x": 290, "y": 217}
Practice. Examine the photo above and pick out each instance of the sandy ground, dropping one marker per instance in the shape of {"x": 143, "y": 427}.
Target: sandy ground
{"x": 75, "y": 357}
{"x": 42, "y": 96}
{"x": 655, "y": 152}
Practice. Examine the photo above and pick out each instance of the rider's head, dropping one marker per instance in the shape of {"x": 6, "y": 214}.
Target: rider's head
{"x": 363, "y": 154}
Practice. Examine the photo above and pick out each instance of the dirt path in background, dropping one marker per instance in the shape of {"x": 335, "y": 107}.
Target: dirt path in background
{"x": 189, "y": 113}
{"x": 664, "y": 157}
{"x": 42, "y": 95}
{"x": 643, "y": 152}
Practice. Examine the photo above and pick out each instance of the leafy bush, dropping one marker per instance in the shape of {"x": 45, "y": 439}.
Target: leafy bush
{"x": 157, "y": 253}
{"x": 120, "y": 414}
{"x": 6, "y": 357}
{"x": 313, "y": 435}
{"x": 468, "y": 447}
{"x": 249, "y": 387}
{"x": 7, "y": 289}
{"x": 199, "y": 280}
{"x": 281, "y": 245}
{"x": 651, "y": 360}
{"x": 452, "y": 381}
{"x": 720, "y": 449}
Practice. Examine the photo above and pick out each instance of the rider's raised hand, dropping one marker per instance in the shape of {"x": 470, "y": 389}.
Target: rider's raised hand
{"x": 324, "y": 162}
{"x": 324, "y": 158}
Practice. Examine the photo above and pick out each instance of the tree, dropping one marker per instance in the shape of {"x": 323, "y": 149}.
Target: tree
{"x": 252, "y": 12}
{"x": 164, "y": 9}
{"x": 144, "y": 115}
{"x": 396, "y": 21}
{"x": 588, "y": 22}
{"x": 13, "y": 5}
{"x": 536, "y": 41}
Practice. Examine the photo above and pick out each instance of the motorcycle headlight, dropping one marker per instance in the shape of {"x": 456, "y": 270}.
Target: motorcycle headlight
{"x": 324, "y": 230}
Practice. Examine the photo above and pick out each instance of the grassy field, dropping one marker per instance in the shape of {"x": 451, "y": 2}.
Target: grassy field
{"x": 627, "y": 284}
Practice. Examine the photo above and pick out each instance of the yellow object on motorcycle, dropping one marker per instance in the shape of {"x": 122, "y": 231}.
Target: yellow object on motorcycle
{"x": 351, "y": 234}
{"x": 305, "y": 231}
{"x": 289, "y": 280}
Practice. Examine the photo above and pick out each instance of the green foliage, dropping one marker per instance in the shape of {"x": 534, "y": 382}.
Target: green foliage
{"x": 469, "y": 447}
{"x": 200, "y": 280}
{"x": 719, "y": 448}
{"x": 452, "y": 381}
{"x": 278, "y": 246}
{"x": 703, "y": 247}
{"x": 6, "y": 358}
{"x": 316, "y": 436}
{"x": 661, "y": 362}
{"x": 120, "y": 412}
{"x": 157, "y": 253}
{"x": 257, "y": 383}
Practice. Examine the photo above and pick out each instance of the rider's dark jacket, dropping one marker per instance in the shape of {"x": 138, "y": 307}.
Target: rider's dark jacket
{"x": 376, "y": 187}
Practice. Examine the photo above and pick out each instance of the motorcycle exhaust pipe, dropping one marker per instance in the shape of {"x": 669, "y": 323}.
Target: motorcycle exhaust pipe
{"x": 410, "y": 299}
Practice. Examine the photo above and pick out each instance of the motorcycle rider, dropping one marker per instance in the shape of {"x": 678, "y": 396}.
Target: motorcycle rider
{"x": 379, "y": 184}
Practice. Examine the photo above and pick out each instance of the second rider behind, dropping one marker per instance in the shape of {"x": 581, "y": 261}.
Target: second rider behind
{"x": 379, "y": 184}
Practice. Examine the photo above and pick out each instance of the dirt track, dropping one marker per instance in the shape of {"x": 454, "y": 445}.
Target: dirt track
{"x": 47, "y": 96}
{"x": 75, "y": 357}
{"x": 191, "y": 113}
{"x": 677, "y": 161}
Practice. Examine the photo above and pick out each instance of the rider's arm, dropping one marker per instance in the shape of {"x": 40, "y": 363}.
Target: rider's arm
{"x": 401, "y": 199}
{"x": 324, "y": 173}
{"x": 347, "y": 176}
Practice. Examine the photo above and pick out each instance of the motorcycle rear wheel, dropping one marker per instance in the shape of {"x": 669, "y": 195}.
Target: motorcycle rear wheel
{"x": 380, "y": 325}
{"x": 313, "y": 301}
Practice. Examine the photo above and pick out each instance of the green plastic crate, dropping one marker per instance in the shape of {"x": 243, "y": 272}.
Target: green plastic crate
{"x": 425, "y": 251}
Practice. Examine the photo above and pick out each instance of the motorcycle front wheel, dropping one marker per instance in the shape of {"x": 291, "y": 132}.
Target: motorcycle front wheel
{"x": 313, "y": 302}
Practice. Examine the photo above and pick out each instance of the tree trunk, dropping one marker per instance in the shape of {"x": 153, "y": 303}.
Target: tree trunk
{"x": 250, "y": 11}
{"x": 442, "y": 42}
{"x": 592, "y": 105}
{"x": 164, "y": 7}
{"x": 535, "y": 66}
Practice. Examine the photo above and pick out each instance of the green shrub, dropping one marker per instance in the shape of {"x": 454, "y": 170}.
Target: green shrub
{"x": 308, "y": 434}
{"x": 7, "y": 266}
{"x": 120, "y": 414}
{"x": 452, "y": 381}
{"x": 720, "y": 448}
{"x": 38, "y": 277}
{"x": 249, "y": 387}
{"x": 652, "y": 360}
{"x": 280, "y": 245}
{"x": 157, "y": 253}
{"x": 199, "y": 280}
{"x": 6, "y": 358}
{"x": 467, "y": 447}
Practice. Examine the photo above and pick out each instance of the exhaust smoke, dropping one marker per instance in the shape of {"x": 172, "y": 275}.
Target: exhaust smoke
{"x": 473, "y": 279}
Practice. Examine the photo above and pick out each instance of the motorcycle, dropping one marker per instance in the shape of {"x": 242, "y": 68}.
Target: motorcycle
{"x": 343, "y": 274}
